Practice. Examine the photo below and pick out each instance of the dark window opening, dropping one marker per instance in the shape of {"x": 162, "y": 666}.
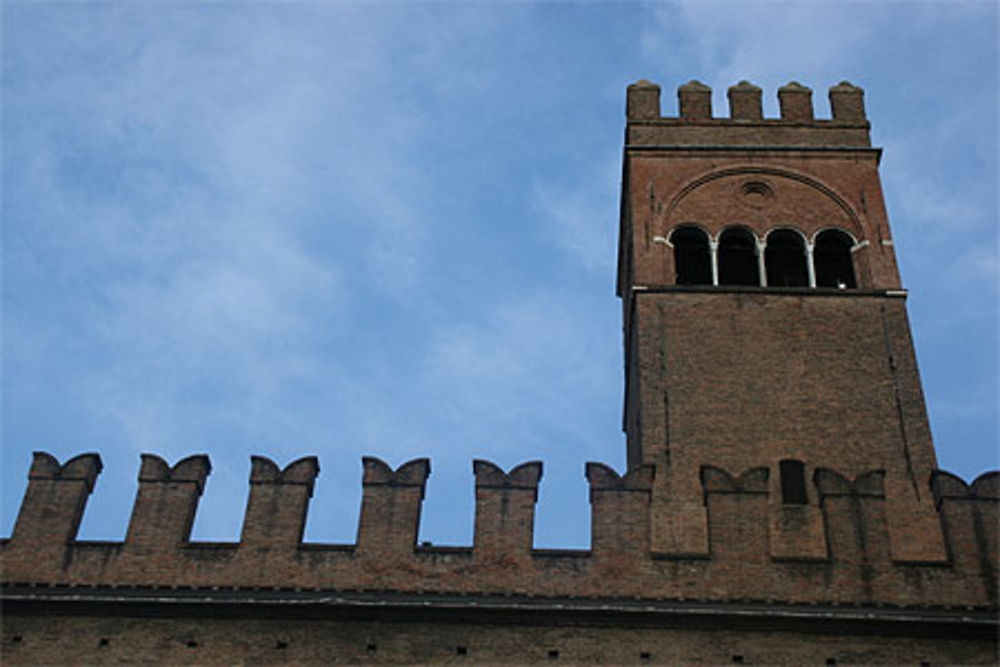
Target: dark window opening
{"x": 738, "y": 258}
{"x": 16, "y": 639}
{"x": 645, "y": 655}
{"x": 832, "y": 259}
{"x": 831, "y": 661}
{"x": 103, "y": 641}
{"x": 692, "y": 258}
{"x": 281, "y": 644}
{"x": 737, "y": 659}
{"x": 793, "y": 482}
{"x": 191, "y": 643}
{"x": 371, "y": 648}
{"x": 553, "y": 655}
{"x": 785, "y": 260}
{"x": 461, "y": 650}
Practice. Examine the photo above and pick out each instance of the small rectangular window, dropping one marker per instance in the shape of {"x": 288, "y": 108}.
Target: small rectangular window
{"x": 793, "y": 482}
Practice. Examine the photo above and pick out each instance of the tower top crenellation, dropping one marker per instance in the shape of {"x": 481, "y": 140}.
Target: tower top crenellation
{"x": 795, "y": 103}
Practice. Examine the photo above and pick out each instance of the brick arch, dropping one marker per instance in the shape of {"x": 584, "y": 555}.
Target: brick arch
{"x": 786, "y": 228}
{"x": 676, "y": 211}
{"x": 737, "y": 224}
{"x": 669, "y": 232}
{"x": 833, "y": 228}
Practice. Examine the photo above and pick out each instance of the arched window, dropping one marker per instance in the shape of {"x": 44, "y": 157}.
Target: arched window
{"x": 738, "y": 257}
{"x": 832, "y": 259}
{"x": 692, "y": 260}
{"x": 785, "y": 259}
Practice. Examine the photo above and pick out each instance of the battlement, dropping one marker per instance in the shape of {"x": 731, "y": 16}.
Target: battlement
{"x": 833, "y": 548}
{"x": 796, "y": 127}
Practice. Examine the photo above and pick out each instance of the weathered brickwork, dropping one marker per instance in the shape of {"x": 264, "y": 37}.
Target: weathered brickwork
{"x": 782, "y": 502}
{"x": 287, "y": 637}
{"x": 742, "y": 562}
{"x": 749, "y": 375}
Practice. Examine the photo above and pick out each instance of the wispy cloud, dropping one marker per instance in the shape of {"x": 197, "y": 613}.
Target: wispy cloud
{"x": 769, "y": 43}
{"x": 576, "y": 214}
{"x": 531, "y": 356}
{"x": 354, "y": 228}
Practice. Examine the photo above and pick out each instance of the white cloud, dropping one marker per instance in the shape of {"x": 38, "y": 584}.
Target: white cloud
{"x": 531, "y": 361}
{"x": 577, "y": 217}
{"x": 283, "y": 228}
{"x": 769, "y": 43}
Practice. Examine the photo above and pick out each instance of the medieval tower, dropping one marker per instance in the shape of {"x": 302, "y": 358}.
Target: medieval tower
{"x": 781, "y": 505}
{"x": 765, "y": 324}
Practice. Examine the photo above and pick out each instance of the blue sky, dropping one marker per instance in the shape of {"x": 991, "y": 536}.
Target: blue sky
{"x": 389, "y": 229}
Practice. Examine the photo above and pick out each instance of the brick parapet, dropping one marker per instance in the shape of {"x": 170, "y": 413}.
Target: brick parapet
{"x": 166, "y": 502}
{"x": 505, "y": 511}
{"x": 54, "y": 502}
{"x": 278, "y": 501}
{"x": 390, "y": 507}
{"x": 620, "y": 514}
{"x": 745, "y": 126}
{"x": 854, "y": 567}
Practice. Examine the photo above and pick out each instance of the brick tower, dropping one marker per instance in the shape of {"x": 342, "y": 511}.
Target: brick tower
{"x": 764, "y": 320}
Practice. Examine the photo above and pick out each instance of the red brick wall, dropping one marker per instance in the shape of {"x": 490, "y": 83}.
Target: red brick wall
{"x": 44, "y": 639}
{"x": 744, "y": 377}
{"x": 745, "y": 559}
{"x": 753, "y": 378}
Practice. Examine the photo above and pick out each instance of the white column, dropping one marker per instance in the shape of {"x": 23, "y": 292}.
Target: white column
{"x": 809, "y": 264}
{"x": 713, "y": 249}
{"x": 761, "y": 269}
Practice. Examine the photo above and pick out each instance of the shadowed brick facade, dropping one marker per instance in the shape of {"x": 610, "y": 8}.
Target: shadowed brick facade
{"x": 782, "y": 502}
{"x": 741, "y": 376}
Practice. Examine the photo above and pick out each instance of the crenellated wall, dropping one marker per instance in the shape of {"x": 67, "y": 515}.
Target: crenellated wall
{"x": 797, "y": 125}
{"x": 831, "y": 550}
